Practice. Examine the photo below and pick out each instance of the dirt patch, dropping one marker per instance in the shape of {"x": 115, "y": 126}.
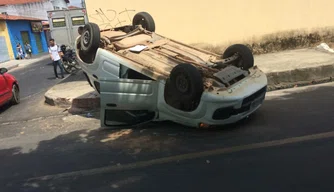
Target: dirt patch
{"x": 280, "y": 41}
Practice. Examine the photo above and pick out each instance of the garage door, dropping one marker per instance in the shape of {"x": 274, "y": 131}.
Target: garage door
{"x": 4, "y": 56}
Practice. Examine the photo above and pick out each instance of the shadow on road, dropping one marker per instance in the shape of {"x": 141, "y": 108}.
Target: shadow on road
{"x": 290, "y": 115}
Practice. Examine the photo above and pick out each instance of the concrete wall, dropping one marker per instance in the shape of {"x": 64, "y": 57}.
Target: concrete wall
{"x": 4, "y": 32}
{"x": 223, "y": 21}
{"x": 15, "y": 28}
{"x": 36, "y": 10}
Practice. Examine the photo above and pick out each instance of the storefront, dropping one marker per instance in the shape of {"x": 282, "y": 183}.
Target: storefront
{"x": 27, "y": 31}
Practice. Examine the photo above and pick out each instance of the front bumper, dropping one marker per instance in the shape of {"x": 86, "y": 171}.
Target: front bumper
{"x": 222, "y": 107}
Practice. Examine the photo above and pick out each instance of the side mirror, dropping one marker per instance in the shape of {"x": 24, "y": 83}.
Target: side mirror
{"x": 3, "y": 70}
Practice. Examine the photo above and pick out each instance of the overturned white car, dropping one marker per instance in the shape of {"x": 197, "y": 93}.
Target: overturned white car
{"x": 142, "y": 76}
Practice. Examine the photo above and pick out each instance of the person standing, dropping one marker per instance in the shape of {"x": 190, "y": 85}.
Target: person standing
{"x": 56, "y": 54}
{"x": 19, "y": 51}
{"x": 28, "y": 49}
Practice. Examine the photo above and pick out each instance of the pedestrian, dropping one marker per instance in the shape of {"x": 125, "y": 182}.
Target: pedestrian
{"x": 28, "y": 49}
{"x": 19, "y": 51}
{"x": 56, "y": 54}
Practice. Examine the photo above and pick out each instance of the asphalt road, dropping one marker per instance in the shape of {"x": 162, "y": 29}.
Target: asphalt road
{"x": 285, "y": 146}
{"x": 34, "y": 80}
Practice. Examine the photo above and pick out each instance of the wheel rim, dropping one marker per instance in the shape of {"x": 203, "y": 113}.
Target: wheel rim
{"x": 16, "y": 94}
{"x": 86, "y": 38}
{"x": 182, "y": 84}
{"x": 143, "y": 23}
{"x": 67, "y": 67}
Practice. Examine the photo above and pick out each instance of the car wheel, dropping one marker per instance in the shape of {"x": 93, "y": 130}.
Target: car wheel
{"x": 90, "y": 38}
{"x": 16, "y": 95}
{"x": 184, "y": 87}
{"x": 145, "y": 20}
{"x": 245, "y": 60}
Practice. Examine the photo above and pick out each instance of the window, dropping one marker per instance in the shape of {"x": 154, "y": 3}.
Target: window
{"x": 59, "y": 22}
{"x": 78, "y": 21}
{"x": 56, "y": 8}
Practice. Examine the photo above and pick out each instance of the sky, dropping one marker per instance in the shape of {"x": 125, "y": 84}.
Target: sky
{"x": 76, "y": 3}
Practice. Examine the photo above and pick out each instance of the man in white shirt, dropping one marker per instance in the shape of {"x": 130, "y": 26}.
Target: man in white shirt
{"x": 55, "y": 54}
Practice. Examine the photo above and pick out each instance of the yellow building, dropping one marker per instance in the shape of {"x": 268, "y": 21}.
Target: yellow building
{"x": 219, "y": 21}
{"x": 6, "y": 50}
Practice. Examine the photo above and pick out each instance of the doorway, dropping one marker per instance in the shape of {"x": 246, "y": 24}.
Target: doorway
{"x": 38, "y": 42}
{"x": 25, "y": 38}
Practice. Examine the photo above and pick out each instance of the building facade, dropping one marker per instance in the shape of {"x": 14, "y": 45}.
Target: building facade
{"x": 31, "y": 8}
{"x": 60, "y": 4}
{"x": 21, "y": 22}
{"x": 6, "y": 50}
{"x": 22, "y": 31}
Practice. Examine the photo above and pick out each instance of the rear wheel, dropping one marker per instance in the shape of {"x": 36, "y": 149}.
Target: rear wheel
{"x": 90, "y": 38}
{"x": 16, "y": 95}
{"x": 145, "y": 20}
{"x": 245, "y": 60}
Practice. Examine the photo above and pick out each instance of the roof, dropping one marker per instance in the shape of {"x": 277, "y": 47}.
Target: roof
{"x": 16, "y": 18}
{"x": 17, "y": 2}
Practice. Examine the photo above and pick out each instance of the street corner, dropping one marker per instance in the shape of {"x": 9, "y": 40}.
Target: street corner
{"x": 77, "y": 96}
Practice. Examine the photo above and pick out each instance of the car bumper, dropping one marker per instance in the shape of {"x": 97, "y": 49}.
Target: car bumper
{"x": 222, "y": 107}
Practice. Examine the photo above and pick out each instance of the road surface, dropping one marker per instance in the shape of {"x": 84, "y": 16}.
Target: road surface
{"x": 286, "y": 146}
{"x": 34, "y": 80}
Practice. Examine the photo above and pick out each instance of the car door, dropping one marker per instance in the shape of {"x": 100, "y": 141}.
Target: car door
{"x": 127, "y": 98}
{"x": 4, "y": 90}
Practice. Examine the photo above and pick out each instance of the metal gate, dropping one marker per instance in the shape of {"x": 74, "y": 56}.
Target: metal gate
{"x": 4, "y": 56}
{"x": 38, "y": 42}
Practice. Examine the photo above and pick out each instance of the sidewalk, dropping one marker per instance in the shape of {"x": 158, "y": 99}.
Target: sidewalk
{"x": 284, "y": 70}
{"x": 35, "y": 58}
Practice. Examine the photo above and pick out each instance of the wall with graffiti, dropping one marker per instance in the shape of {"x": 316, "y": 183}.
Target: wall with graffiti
{"x": 215, "y": 21}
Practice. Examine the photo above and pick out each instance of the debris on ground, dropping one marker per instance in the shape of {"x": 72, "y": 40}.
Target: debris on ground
{"x": 324, "y": 47}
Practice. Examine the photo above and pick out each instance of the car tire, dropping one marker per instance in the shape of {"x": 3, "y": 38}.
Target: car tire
{"x": 145, "y": 20}
{"x": 90, "y": 38}
{"x": 16, "y": 95}
{"x": 184, "y": 87}
{"x": 246, "y": 58}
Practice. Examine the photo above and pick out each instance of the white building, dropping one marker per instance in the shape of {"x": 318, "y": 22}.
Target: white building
{"x": 31, "y": 8}
{"x": 60, "y": 4}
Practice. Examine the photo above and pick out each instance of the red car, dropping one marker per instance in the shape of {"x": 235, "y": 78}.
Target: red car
{"x": 9, "y": 88}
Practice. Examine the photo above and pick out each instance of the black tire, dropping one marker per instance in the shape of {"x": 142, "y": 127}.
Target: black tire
{"x": 184, "y": 87}
{"x": 90, "y": 38}
{"x": 145, "y": 20}
{"x": 67, "y": 67}
{"x": 246, "y": 58}
{"x": 16, "y": 95}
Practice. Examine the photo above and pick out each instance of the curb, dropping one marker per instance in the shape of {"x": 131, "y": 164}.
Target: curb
{"x": 300, "y": 77}
{"x": 276, "y": 81}
{"x": 17, "y": 65}
{"x": 12, "y": 67}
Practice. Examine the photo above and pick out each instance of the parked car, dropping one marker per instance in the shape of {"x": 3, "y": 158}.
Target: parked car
{"x": 143, "y": 76}
{"x": 9, "y": 88}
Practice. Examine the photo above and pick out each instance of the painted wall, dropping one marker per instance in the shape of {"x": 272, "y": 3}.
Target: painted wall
{"x": 59, "y": 3}
{"x": 36, "y": 10}
{"x": 15, "y": 28}
{"x": 214, "y": 21}
{"x": 4, "y": 32}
